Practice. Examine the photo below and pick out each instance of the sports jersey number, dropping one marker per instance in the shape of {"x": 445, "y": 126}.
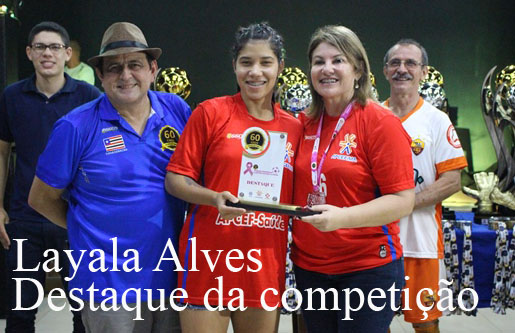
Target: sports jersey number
{"x": 418, "y": 179}
{"x": 323, "y": 185}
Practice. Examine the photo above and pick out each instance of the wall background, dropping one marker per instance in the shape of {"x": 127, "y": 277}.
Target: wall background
{"x": 464, "y": 39}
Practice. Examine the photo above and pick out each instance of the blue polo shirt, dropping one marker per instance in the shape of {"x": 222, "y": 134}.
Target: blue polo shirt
{"x": 115, "y": 179}
{"x": 26, "y": 118}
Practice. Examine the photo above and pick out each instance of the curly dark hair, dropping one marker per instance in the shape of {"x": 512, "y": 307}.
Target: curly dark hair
{"x": 258, "y": 31}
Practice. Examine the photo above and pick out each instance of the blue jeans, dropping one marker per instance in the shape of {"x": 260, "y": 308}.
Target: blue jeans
{"x": 366, "y": 319}
{"x": 40, "y": 236}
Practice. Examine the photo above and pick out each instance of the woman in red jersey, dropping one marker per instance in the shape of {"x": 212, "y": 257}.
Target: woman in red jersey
{"x": 354, "y": 167}
{"x": 240, "y": 255}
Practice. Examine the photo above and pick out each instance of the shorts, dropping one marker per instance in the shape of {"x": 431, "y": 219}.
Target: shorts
{"x": 197, "y": 307}
{"x": 423, "y": 273}
{"x": 123, "y": 320}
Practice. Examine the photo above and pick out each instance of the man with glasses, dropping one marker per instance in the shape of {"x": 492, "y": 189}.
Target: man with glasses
{"x": 437, "y": 161}
{"x": 28, "y": 110}
{"x": 111, "y": 154}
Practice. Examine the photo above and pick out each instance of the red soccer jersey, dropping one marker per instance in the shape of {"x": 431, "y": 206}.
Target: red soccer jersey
{"x": 370, "y": 156}
{"x": 210, "y": 152}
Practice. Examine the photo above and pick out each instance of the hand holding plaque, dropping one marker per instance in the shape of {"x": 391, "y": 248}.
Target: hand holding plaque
{"x": 261, "y": 173}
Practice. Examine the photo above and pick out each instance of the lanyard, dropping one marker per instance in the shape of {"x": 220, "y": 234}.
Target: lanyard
{"x": 316, "y": 170}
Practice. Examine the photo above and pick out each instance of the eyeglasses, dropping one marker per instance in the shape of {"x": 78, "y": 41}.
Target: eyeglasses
{"x": 409, "y": 64}
{"x": 54, "y": 47}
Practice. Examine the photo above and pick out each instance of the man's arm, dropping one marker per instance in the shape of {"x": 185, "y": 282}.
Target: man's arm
{"x": 47, "y": 201}
{"x": 5, "y": 151}
{"x": 446, "y": 185}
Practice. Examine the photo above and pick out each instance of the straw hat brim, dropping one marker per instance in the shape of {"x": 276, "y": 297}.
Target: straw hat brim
{"x": 154, "y": 52}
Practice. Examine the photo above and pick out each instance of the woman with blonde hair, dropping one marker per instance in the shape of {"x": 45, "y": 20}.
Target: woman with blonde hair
{"x": 354, "y": 167}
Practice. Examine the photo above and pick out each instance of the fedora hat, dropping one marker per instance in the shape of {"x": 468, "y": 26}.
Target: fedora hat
{"x": 122, "y": 38}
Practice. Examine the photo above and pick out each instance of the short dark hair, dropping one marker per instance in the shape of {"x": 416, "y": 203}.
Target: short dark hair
{"x": 258, "y": 31}
{"x": 408, "y": 41}
{"x": 100, "y": 63}
{"x": 49, "y": 26}
{"x": 75, "y": 46}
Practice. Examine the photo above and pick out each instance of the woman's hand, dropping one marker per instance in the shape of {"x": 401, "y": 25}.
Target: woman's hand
{"x": 189, "y": 190}
{"x": 377, "y": 212}
{"x": 225, "y": 211}
{"x": 331, "y": 218}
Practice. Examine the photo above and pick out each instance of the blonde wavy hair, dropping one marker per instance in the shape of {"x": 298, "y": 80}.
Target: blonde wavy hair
{"x": 348, "y": 43}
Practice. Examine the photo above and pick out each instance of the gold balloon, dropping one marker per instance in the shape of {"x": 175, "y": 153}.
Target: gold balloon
{"x": 173, "y": 80}
{"x": 291, "y": 76}
{"x": 433, "y": 76}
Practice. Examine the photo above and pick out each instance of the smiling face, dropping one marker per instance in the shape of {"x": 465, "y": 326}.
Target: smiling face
{"x": 405, "y": 79}
{"x": 48, "y": 64}
{"x": 332, "y": 75}
{"x": 256, "y": 69}
{"x": 126, "y": 78}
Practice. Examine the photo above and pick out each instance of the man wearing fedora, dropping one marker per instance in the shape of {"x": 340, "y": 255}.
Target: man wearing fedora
{"x": 28, "y": 110}
{"x": 111, "y": 156}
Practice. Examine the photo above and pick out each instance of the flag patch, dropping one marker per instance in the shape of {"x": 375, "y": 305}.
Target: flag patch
{"x": 114, "y": 143}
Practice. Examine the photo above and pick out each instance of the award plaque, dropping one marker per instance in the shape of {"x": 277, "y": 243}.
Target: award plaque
{"x": 262, "y": 165}
{"x": 273, "y": 208}
{"x": 261, "y": 172}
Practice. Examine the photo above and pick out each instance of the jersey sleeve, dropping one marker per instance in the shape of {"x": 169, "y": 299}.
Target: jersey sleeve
{"x": 389, "y": 154}
{"x": 59, "y": 161}
{"x": 190, "y": 153}
{"x": 448, "y": 152}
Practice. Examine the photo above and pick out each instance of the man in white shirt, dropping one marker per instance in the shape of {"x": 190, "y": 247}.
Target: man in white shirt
{"x": 437, "y": 161}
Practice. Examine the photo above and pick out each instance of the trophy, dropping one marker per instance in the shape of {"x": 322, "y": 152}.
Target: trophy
{"x": 431, "y": 89}
{"x": 295, "y": 98}
{"x": 498, "y": 110}
{"x": 173, "y": 80}
{"x": 498, "y": 113}
{"x": 293, "y": 91}
{"x": 375, "y": 93}
{"x": 290, "y": 76}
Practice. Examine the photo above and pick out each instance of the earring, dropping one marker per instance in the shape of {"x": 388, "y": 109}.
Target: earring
{"x": 356, "y": 85}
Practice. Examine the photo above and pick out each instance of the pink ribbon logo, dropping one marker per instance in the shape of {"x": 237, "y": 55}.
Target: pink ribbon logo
{"x": 249, "y": 168}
